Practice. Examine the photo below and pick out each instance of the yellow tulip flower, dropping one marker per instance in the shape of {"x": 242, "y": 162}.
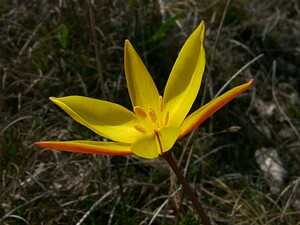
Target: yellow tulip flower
{"x": 156, "y": 121}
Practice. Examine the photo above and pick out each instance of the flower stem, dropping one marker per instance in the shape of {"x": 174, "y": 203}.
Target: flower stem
{"x": 187, "y": 188}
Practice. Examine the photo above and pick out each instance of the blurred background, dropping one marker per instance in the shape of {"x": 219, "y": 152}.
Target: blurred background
{"x": 243, "y": 162}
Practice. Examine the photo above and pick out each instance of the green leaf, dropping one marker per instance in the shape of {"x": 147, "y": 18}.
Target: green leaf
{"x": 162, "y": 30}
{"x": 63, "y": 35}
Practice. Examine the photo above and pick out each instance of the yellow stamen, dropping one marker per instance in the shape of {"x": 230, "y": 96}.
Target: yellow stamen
{"x": 167, "y": 118}
{"x": 160, "y": 103}
{"x": 140, "y": 129}
{"x": 152, "y": 115}
{"x": 140, "y": 112}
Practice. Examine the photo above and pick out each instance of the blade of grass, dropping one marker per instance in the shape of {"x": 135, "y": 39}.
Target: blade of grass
{"x": 96, "y": 46}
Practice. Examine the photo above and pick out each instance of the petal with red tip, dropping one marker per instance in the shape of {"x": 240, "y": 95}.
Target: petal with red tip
{"x": 200, "y": 115}
{"x": 91, "y": 147}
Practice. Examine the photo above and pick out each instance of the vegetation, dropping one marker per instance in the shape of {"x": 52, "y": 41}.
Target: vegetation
{"x": 47, "y": 48}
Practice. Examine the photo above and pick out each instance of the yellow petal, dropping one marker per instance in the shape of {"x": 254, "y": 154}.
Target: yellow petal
{"x": 91, "y": 147}
{"x": 168, "y": 136}
{"x": 146, "y": 147}
{"x": 185, "y": 78}
{"x": 141, "y": 88}
{"x": 200, "y": 115}
{"x": 155, "y": 144}
{"x": 107, "y": 119}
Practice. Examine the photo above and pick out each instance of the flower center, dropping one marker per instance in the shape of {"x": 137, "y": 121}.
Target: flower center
{"x": 151, "y": 120}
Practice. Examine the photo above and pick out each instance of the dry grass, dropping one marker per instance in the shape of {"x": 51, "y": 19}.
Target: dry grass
{"x": 47, "y": 49}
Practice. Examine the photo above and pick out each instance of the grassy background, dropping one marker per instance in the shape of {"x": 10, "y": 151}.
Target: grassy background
{"x": 47, "y": 49}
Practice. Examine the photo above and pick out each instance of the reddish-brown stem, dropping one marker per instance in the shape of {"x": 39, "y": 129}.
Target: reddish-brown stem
{"x": 187, "y": 188}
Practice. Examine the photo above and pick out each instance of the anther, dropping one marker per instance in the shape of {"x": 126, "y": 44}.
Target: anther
{"x": 167, "y": 118}
{"x": 138, "y": 110}
{"x": 160, "y": 103}
{"x": 152, "y": 115}
{"x": 140, "y": 129}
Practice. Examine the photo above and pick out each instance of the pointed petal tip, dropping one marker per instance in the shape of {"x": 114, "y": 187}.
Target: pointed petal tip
{"x": 248, "y": 84}
{"x": 127, "y": 44}
{"x": 202, "y": 24}
{"x": 201, "y": 28}
{"x": 53, "y": 99}
{"x": 37, "y": 144}
{"x": 43, "y": 144}
{"x": 56, "y": 100}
